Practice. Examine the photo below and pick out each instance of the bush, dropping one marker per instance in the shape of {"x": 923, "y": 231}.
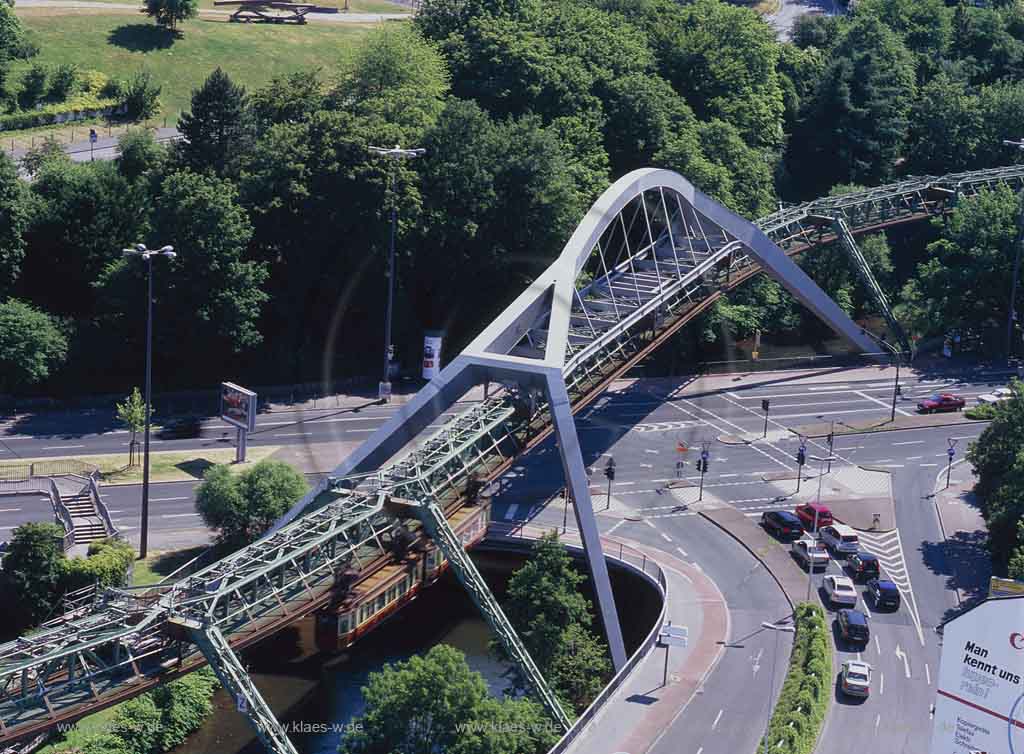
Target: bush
{"x": 140, "y": 96}
{"x": 33, "y": 87}
{"x": 984, "y": 411}
{"x": 62, "y": 81}
{"x": 161, "y": 719}
{"x": 107, "y": 564}
{"x": 804, "y": 699}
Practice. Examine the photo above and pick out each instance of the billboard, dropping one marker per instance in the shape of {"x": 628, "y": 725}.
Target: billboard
{"x": 979, "y": 707}
{"x": 432, "y": 354}
{"x": 238, "y": 406}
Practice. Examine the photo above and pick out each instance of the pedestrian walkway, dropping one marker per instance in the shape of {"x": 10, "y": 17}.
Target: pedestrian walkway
{"x": 965, "y": 535}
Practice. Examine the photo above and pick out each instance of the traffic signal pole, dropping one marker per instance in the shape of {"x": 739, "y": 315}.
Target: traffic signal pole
{"x": 764, "y": 407}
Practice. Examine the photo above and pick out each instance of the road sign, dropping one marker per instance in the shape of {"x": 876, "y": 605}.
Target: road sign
{"x": 92, "y": 136}
{"x": 680, "y": 631}
{"x": 682, "y": 448}
{"x": 672, "y": 641}
{"x": 704, "y": 455}
{"x": 951, "y": 452}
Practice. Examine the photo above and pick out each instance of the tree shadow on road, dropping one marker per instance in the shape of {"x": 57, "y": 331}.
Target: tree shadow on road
{"x": 142, "y": 37}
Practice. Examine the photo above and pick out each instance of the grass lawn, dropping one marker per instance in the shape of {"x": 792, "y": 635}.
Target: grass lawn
{"x": 119, "y": 44}
{"x": 168, "y": 466}
{"x": 161, "y": 564}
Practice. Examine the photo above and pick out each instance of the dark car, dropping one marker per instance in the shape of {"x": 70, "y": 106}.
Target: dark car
{"x": 884, "y": 593}
{"x": 941, "y": 402}
{"x": 781, "y": 523}
{"x": 181, "y": 428}
{"x": 853, "y": 625}
{"x": 863, "y": 566}
{"x": 806, "y": 513}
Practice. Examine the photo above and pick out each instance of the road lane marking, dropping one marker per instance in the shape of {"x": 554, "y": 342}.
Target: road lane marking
{"x": 666, "y": 537}
{"x": 881, "y": 683}
{"x": 906, "y": 661}
{"x": 62, "y": 447}
{"x": 294, "y": 434}
{"x": 910, "y": 442}
{"x": 927, "y": 674}
{"x": 928, "y": 465}
{"x": 717, "y": 718}
{"x": 649, "y": 523}
{"x": 913, "y": 458}
{"x": 178, "y": 515}
{"x": 878, "y": 719}
{"x": 617, "y": 525}
{"x": 830, "y": 387}
{"x": 682, "y": 552}
{"x": 168, "y": 499}
{"x": 881, "y": 403}
{"x": 9, "y": 510}
{"x": 878, "y": 645}
{"x": 736, "y": 426}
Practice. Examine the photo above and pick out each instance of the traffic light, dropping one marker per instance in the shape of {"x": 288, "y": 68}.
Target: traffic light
{"x": 764, "y": 405}
{"x": 801, "y": 457}
{"x": 609, "y": 471}
{"x": 831, "y": 438}
{"x": 702, "y": 465}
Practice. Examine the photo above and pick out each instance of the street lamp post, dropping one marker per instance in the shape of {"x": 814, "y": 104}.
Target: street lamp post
{"x": 394, "y": 154}
{"x": 777, "y": 628}
{"x": 147, "y": 256}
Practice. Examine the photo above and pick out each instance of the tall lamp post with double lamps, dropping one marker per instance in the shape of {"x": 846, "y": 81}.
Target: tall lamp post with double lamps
{"x": 394, "y": 154}
{"x": 777, "y": 628}
{"x": 1012, "y": 314}
{"x": 140, "y": 250}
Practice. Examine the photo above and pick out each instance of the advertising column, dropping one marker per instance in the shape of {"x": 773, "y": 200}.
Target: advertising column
{"x": 432, "y": 340}
{"x": 979, "y": 707}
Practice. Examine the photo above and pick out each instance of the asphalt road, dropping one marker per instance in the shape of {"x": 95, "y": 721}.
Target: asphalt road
{"x": 640, "y": 429}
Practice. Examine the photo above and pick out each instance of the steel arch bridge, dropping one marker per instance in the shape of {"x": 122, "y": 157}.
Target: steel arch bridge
{"x": 650, "y": 255}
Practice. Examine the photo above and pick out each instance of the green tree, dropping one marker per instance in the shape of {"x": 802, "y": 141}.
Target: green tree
{"x": 946, "y": 125}
{"x": 219, "y": 129}
{"x": 49, "y": 152}
{"x": 132, "y": 413}
{"x": 963, "y": 283}
{"x": 14, "y": 220}
{"x": 434, "y": 703}
{"x": 140, "y": 95}
{"x": 241, "y": 508}
{"x": 32, "y": 345}
{"x": 855, "y": 125}
{"x": 12, "y": 35}
{"x": 139, "y": 153}
{"x": 33, "y": 86}
{"x": 581, "y": 668}
{"x": 32, "y": 572}
{"x": 168, "y": 13}
{"x": 925, "y": 26}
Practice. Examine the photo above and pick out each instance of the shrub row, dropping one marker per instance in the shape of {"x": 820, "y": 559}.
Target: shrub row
{"x": 77, "y": 108}
{"x": 982, "y": 411}
{"x": 107, "y": 564}
{"x": 807, "y": 690}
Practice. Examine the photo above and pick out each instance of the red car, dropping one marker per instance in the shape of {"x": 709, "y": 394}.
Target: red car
{"x": 941, "y": 402}
{"x": 806, "y": 512}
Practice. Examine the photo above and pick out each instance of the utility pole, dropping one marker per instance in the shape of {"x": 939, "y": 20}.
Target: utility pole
{"x": 950, "y": 452}
{"x": 831, "y": 441}
{"x": 1012, "y": 314}
{"x": 394, "y": 154}
{"x": 703, "y": 467}
{"x": 609, "y": 472}
{"x": 801, "y": 459}
{"x": 140, "y": 250}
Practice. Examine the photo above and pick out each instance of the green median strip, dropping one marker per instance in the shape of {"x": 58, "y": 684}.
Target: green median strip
{"x": 885, "y": 425}
{"x": 165, "y": 466}
{"x": 806, "y": 693}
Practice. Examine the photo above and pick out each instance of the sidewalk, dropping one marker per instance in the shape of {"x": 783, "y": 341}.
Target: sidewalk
{"x": 965, "y": 533}
{"x": 643, "y": 707}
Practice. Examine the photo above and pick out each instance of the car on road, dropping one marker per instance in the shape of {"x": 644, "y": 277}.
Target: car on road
{"x": 998, "y": 395}
{"x": 781, "y": 524}
{"x": 884, "y": 593}
{"x": 941, "y": 402}
{"x": 840, "y": 590}
{"x": 810, "y": 552}
{"x": 855, "y": 678}
{"x": 806, "y": 511}
{"x": 841, "y": 539}
{"x": 863, "y": 566}
{"x": 853, "y": 626}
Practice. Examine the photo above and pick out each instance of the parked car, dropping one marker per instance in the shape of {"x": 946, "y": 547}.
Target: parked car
{"x": 853, "y": 625}
{"x": 839, "y": 538}
{"x": 781, "y": 523}
{"x": 855, "y": 678}
{"x": 941, "y": 402}
{"x": 840, "y": 591}
{"x": 806, "y": 512}
{"x": 810, "y": 552}
{"x": 863, "y": 566}
{"x": 884, "y": 593}
{"x": 998, "y": 395}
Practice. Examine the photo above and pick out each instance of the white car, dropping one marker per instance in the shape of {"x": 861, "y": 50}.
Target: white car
{"x": 840, "y": 590}
{"x": 841, "y": 539}
{"x": 856, "y": 678}
{"x": 810, "y": 552}
{"x": 998, "y": 395}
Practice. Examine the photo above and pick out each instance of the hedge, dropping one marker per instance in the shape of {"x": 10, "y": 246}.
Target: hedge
{"x": 94, "y": 96}
{"x": 806, "y": 693}
{"x": 982, "y": 411}
{"x": 108, "y": 564}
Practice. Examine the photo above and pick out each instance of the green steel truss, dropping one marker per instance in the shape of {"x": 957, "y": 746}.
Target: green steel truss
{"x": 115, "y": 645}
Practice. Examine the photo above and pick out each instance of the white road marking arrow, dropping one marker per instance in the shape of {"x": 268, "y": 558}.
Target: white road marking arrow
{"x": 757, "y": 661}
{"x": 906, "y": 663}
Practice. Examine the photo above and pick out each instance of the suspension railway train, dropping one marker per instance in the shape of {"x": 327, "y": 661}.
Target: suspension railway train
{"x": 362, "y": 603}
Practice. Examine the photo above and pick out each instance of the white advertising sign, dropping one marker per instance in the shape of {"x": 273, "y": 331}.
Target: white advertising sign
{"x": 431, "y": 355}
{"x": 979, "y": 707}
{"x": 238, "y": 406}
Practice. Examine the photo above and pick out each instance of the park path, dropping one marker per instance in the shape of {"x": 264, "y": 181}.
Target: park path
{"x": 337, "y": 18}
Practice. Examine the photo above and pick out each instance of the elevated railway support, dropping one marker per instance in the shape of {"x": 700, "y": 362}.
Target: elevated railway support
{"x": 651, "y": 254}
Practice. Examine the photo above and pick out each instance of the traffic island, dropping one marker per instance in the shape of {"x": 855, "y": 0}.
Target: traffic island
{"x": 866, "y": 426}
